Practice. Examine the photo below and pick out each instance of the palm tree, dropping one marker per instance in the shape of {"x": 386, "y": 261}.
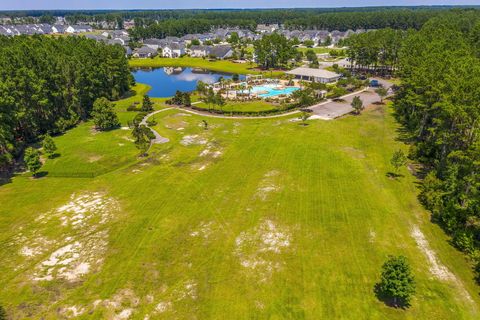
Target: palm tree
{"x": 249, "y": 91}
{"x": 243, "y": 91}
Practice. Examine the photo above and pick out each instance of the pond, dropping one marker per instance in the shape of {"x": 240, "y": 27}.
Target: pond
{"x": 166, "y": 81}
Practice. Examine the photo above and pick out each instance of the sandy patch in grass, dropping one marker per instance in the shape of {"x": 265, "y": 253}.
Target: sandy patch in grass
{"x": 211, "y": 150}
{"x": 269, "y": 184}
{"x": 85, "y": 208}
{"x": 437, "y": 269}
{"x": 259, "y": 250}
{"x": 372, "y": 236}
{"x": 83, "y": 242}
{"x": 73, "y": 260}
{"x": 176, "y": 125}
{"x": 193, "y": 140}
{"x": 163, "y": 306}
{"x": 94, "y": 158}
{"x": 72, "y": 311}
{"x": 354, "y": 152}
{"x": 34, "y": 245}
{"x": 206, "y": 230}
{"x": 120, "y": 306}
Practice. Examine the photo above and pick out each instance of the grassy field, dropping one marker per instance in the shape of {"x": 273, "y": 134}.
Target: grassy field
{"x": 247, "y": 106}
{"x": 317, "y": 50}
{"x": 218, "y": 65}
{"x": 250, "y": 219}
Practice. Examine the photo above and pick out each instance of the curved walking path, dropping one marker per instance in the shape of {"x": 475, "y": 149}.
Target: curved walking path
{"x": 158, "y": 138}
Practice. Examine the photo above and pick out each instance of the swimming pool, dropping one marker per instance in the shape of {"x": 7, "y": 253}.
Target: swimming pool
{"x": 271, "y": 90}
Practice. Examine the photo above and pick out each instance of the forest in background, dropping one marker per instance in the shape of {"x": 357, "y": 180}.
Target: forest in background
{"x": 48, "y": 85}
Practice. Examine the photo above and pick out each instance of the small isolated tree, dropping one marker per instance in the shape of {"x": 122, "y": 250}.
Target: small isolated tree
{"x": 147, "y": 104}
{"x": 49, "y": 146}
{"x": 32, "y": 160}
{"x": 357, "y": 104}
{"x": 382, "y": 92}
{"x": 143, "y": 137}
{"x": 399, "y": 159}
{"x": 397, "y": 281}
{"x": 304, "y": 117}
{"x": 104, "y": 115}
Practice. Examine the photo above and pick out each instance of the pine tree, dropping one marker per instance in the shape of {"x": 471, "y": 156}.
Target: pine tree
{"x": 32, "y": 160}
{"x": 397, "y": 281}
{"x": 147, "y": 104}
{"x": 49, "y": 146}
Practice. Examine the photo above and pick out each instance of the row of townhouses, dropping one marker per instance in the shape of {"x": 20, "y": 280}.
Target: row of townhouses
{"x": 31, "y": 29}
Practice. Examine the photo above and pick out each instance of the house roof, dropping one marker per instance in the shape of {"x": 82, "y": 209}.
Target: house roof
{"x": 310, "y": 72}
{"x": 176, "y": 46}
{"x": 154, "y": 41}
{"x": 219, "y": 51}
{"x": 193, "y": 48}
{"x": 145, "y": 50}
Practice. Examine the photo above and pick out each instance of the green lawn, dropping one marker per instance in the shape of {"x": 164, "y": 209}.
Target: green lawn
{"x": 247, "y": 106}
{"x": 317, "y": 49}
{"x": 218, "y": 65}
{"x": 250, "y": 219}
{"x": 136, "y": 96}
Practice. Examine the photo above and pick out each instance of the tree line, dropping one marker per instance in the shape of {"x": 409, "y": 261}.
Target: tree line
{"x": 48, "y": 85}
{"x": 438, "y": 104}
{"x": 180, "y": 22}
{"x": 375, "y": 51}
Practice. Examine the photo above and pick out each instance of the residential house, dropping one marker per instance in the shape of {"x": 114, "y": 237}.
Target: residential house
{"x": 154, "y": 43}
{"x": 220, "y": 52}
{"x": 198, "y": 51}
{"x": 144, "y": 52}
{"x": 173, "y": 50}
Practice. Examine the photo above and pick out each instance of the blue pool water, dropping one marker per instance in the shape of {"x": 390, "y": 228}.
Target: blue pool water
{"x": 272, "y": 90}
{"x": 166, "y": 81}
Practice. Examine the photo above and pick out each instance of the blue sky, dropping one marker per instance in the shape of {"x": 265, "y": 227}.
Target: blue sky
{"x": 185, "y": 4}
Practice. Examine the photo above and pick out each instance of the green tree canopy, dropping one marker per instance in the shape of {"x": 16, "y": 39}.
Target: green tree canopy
{"x": 397, "y": 281}
{"x": 49, "y": 146}
{"x": 32, "y": 160}
{"x": 357, "y": 104}
{"x": 104, "y": 115}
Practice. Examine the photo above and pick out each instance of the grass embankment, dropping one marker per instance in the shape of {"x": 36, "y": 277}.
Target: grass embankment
{"x": 216, "y": 65}
{"x": 256, "y": 218}
{"x": 240, "y": 106}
